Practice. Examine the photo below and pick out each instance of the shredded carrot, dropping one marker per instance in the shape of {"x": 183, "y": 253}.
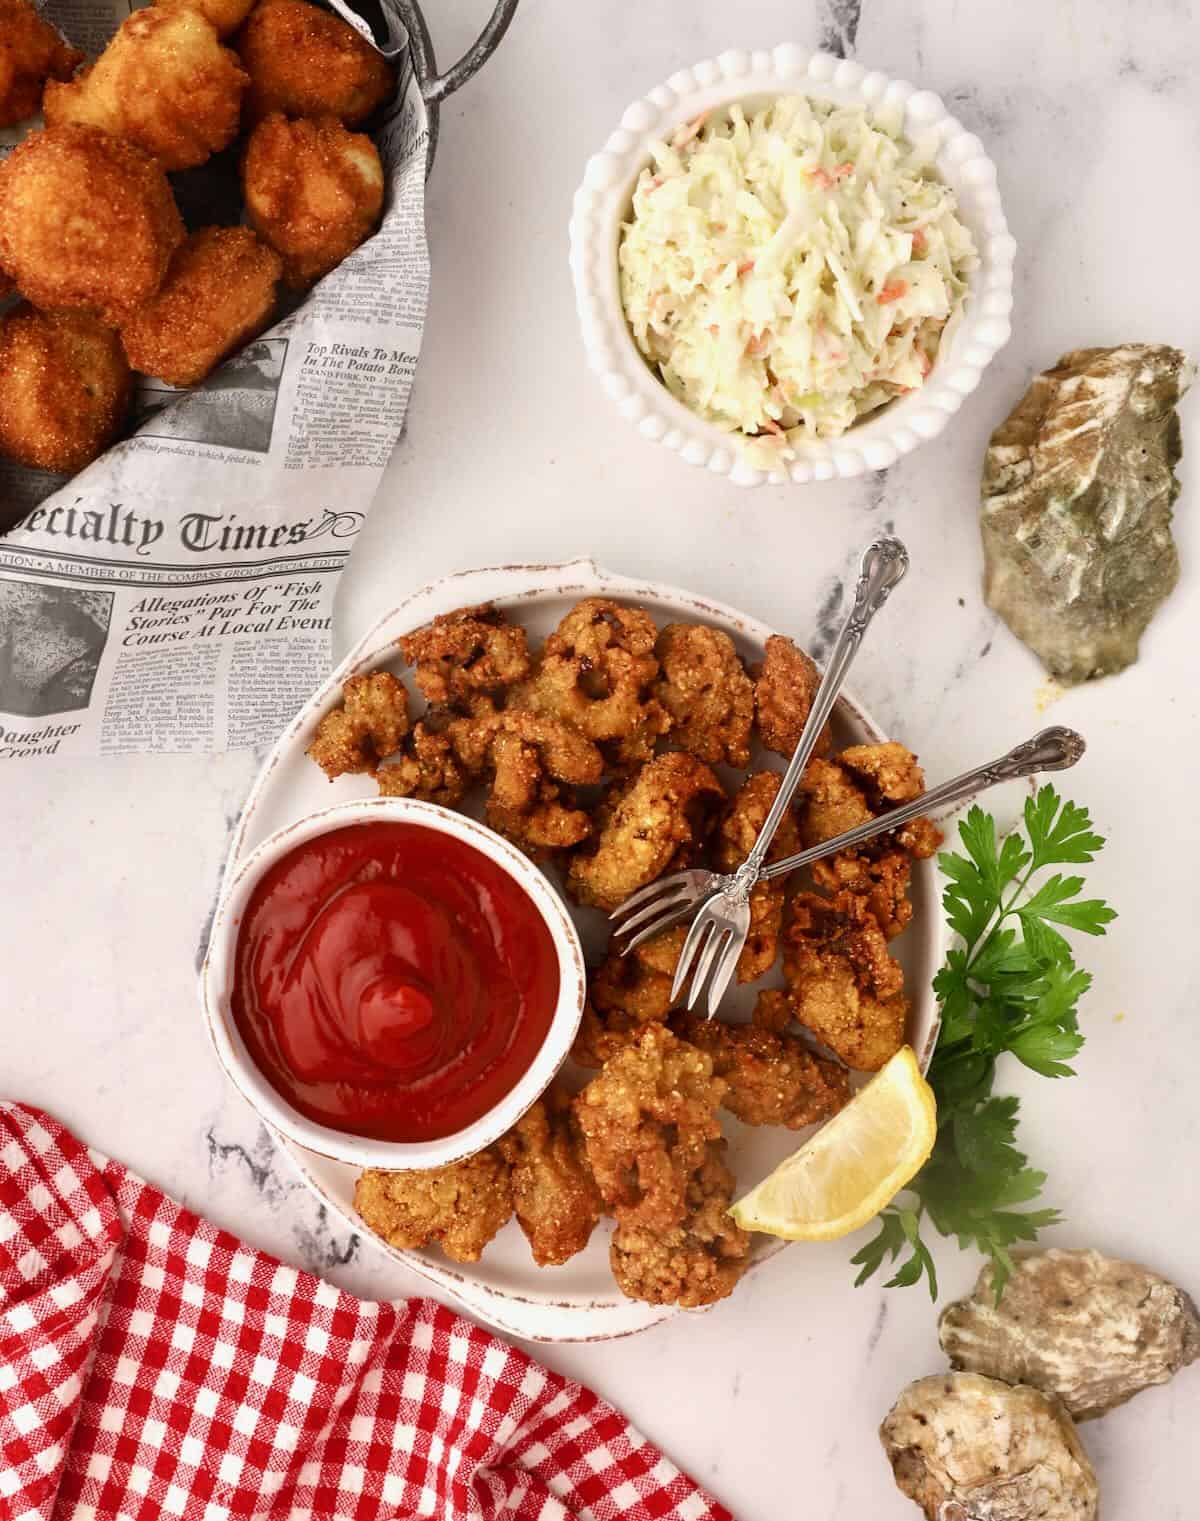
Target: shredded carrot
{"x": 689, "y": 130}
{"x": 892, "y": 291}
{"x": 713, "y": 329}
{"x": 843, "y": 171}
{"x": 919, "y": 241}
{"x": 820, "y": 178}
{"x": 757, "y": 345}
{"x": 745, "y": 267}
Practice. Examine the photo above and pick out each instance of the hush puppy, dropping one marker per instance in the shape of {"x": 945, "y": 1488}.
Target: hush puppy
{"x": 313, "y": 192}
{"x": 219, "y": 291}
{"x": 306, "y": 62}
{"x": 225, "y": 15}
{"x": 86, "y": 221}
{"x": 164, "y": 82}
{"x": 31, "y": 52}
{"x": 64, "y": 388}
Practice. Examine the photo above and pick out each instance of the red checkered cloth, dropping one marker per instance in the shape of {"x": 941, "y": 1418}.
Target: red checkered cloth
{"x": 154, "y": 1366}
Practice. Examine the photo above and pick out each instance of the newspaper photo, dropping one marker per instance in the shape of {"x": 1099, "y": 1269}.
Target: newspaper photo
{"x": 176, "y": 595}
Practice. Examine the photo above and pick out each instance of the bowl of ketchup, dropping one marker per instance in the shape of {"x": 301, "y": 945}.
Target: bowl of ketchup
{"x": 392, "y": 984}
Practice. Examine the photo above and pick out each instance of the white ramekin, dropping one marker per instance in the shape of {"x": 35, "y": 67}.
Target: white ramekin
{"x": 602, "y": 202}
{"x": 217, "y": 973}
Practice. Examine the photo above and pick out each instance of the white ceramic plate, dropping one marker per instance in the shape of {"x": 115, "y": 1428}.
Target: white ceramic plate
{"x": 578, "y": 1301}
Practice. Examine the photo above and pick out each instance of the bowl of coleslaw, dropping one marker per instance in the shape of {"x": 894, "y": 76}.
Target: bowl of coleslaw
{"x": 789, "y": 267}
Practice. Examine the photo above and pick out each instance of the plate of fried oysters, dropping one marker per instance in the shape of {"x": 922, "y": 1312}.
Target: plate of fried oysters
{"x": 617, "y": 731}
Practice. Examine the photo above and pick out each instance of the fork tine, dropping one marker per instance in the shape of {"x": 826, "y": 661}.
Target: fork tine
{"x": 724, "y": 973}
{"x": 645, "y": 894}
{"x": 706, "y": 961}
{"x": 666, "y": 922}
{"x": 698, "y": 933}
{"x": 661, "y": 905}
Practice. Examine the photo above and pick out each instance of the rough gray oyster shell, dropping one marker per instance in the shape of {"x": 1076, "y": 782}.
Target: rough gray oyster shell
{"x": 1090, "y": 1329}
{"x": 1078, "y": 487}
{"x": 968, "y": 1448}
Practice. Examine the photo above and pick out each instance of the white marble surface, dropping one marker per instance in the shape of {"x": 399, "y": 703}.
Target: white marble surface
{"x": 1089, "y": 108}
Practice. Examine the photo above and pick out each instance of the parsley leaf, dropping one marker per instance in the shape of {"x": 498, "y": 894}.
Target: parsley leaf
{"x": 1010, "y": 986}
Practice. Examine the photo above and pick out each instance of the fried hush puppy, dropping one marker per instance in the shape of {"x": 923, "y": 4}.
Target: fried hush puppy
{"x": 695, "y": 1262}
{"x": 843, "y": 984}
{"x": 87, "y": 221}
{"x": 31, "y": 52}
{"x": 471, "y": 654}
{"x": 313, "y": 191}
{"x": 305, "y": 62}
{"x": 164, "y": 82}
{"x": 773, "y": 1079}
{"x": 666, "y": 811}
{"x": 225, "y": 15}
{"x": 367, "y": 725}
{"x": 704, "y": 687}
{"x": 459, "y": 1207}
{"x": 646, "y": 1123}
{"x": 64, "y": 388}
{"x": 557, "y": 1202}
{"x": 784, "y": 688}
{"x": 219, "y": 291}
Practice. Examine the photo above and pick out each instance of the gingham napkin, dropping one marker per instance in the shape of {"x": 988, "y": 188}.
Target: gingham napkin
{"x": 154, "y": 1366}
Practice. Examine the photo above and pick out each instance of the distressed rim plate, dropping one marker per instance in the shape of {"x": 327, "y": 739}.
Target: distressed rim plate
{"x": 579, "y": 1301}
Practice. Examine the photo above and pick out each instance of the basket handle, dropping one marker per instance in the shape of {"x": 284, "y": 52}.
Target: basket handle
{"x": 438, "y": 86}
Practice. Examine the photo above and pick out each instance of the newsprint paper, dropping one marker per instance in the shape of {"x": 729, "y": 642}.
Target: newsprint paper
{"x": 176, "y": 595}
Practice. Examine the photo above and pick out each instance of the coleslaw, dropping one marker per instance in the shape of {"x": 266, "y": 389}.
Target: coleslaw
{"x": 788, "y": 272}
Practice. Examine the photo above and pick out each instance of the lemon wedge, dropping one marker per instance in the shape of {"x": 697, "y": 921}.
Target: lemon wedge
{"x": 854, "y": 1165}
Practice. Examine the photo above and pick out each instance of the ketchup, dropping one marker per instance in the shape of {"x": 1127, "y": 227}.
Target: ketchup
{"x": 393, "y": 982}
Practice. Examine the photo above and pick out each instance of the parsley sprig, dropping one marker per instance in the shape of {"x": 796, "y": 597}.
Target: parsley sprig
{"x": 1010, "y": 985}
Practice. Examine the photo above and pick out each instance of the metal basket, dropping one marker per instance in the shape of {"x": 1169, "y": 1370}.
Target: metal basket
{"x": 435, "y": 86}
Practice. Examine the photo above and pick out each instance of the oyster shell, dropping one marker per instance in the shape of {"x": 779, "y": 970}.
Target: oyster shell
{"x": 1090, "y": 1329}
{"x": 968, "y": 1448}
{"x": 1077, "y": 494}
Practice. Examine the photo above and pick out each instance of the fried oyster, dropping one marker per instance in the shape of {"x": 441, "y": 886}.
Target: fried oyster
{"x": 772, "y": 1079}
{"x": 557, "y": 1202}
{"x": 843, "y": 984}
{"x": 646, "y": 1123}
{"x": 459, "y": 1207}
{"x": 533, "y": 762}
{"x": 839, "y": 794}
{"x": 596, "y": 672}
{"x": 695, "y": 1262}
{"x": 625, "y": 993}
{"x": 366, "y": 726}
{"x": 425, "y": 768}
{"x": 651, "y": 825}
{"x": 739, "y": 828}
{"x": 462, "y": 657}
{"x": 704, "y": 687}
{"x": 784, "y": 687}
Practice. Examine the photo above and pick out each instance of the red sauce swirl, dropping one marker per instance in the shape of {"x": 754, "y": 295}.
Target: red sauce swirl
{"x": 393, "y": 982}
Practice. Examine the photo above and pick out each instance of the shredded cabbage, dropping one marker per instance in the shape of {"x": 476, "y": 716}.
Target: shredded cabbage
{"x": 787, "y": 273}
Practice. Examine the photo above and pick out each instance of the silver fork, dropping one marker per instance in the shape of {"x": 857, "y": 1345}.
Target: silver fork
{"x": 720, "y": 928}
{"x": 1053, "y": 749}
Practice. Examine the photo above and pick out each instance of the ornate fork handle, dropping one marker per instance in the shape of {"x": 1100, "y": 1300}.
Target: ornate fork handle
{"x": 1052, "y": 750}
{"x": 883, "y": 567}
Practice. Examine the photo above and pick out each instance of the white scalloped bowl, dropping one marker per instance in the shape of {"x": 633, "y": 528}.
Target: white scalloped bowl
{"x": 602, "y": 203}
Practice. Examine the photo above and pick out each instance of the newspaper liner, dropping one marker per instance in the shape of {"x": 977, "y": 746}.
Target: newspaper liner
{"x": 177, "y": 594}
